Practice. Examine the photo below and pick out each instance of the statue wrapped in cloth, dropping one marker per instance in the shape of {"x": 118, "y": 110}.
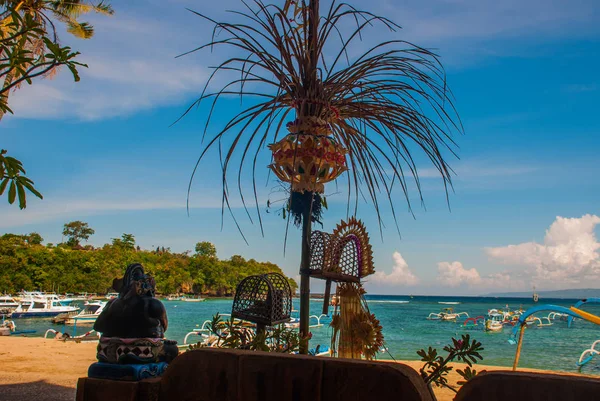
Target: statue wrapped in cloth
{"x": 133, "y": 326}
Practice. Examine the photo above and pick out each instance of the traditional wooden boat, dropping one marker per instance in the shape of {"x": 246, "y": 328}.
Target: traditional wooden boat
{"x": 446, "y": 314}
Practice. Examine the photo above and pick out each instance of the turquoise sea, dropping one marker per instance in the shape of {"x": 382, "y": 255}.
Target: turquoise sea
{"x": 407, "y": 330}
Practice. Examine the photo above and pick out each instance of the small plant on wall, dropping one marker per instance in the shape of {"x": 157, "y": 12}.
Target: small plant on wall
{"x": 237, "y": 334}
{"x": 436, "y": 367}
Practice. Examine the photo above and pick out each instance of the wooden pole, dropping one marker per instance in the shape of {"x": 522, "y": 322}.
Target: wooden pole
{"x": 305, "y": 270}
{"x": 327, "y": 297}
{"x": 309, "y": 82}
{"x": 519, "y": 346}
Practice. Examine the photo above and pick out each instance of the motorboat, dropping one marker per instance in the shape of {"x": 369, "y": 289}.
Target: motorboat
{"x": 7, "y": 304}
{"x": 43, "y": 305}
{"x": 88, "y": 314}
{"x": 112, "y": 295}
{"x": 191, "y": 299}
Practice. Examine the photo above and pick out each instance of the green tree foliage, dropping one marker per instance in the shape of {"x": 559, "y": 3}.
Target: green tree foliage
{"x": 29, "y": 49}
{"x": 13, "y": 173}
{"x": 27, "y": 264}
{"x": 29, "y": 39}
{"x": 76, "y": 231}
{"x": 127, "y": 241}
{"x": 206, "y": 248}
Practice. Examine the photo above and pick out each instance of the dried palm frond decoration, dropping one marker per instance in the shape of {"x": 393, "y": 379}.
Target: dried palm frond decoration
{"x": 382, "y": 106}
{"x": 368, "y": 115}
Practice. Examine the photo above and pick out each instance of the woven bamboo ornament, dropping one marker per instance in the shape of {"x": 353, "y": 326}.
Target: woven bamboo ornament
{"x": 308, "y": 161}
{"x": 343, "y": 256}
{"x": 351, "y": 243}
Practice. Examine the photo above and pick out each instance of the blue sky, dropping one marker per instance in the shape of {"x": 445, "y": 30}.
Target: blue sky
{"x": 524, "y": 211}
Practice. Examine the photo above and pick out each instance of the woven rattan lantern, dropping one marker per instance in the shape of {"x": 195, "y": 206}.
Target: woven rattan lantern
{"x": 343, "y": 256}
{"x": 264, "y": 299}
{"x": 308, "y": 161}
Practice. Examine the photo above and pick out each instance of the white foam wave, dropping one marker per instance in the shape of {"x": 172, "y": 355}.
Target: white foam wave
{"x": 386, "y": 302}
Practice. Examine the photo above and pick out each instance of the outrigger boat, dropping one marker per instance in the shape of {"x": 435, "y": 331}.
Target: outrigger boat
{"x": 573, "y": 311}
{"x": 588, "y": 354}
{"x": 494, "y": 322}
{"x": 294, "y": 323}
{"x": 208, "y": 339}
{"x": 8, "y": 327}
{"x": 446, "y": 314}
{"x": 508, "y": 317}
{"x": 578, "y": 305}
{"x": 91, "y": 335}
{"x": 473, "y": 322}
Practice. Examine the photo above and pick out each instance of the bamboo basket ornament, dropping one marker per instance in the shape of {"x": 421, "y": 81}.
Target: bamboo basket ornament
{"x": 264, "y": 299}
{"x": 343, "y": 256}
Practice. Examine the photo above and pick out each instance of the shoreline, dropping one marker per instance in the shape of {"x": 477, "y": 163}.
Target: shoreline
{"x": 47, "y": 369}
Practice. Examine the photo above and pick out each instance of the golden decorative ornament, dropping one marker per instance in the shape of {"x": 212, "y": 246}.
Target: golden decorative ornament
{"x": 308, "y": 161}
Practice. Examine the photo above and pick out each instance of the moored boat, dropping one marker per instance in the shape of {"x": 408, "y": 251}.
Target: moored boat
{"x": 191, "y": 299}
{"x": 494, "y": 322}
{"x": 7, "y": 327}
{"x": 7, "y": 304}
{"x": 43, "y": 305}
{"x": 88, "y": 314}
{"x": 447, "y": 314}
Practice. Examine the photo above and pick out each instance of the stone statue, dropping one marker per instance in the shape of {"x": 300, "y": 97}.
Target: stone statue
{"x": 135, "y": 313}
{"x": 133, "y": 325}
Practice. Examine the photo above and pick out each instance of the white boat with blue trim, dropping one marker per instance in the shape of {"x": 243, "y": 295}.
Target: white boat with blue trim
{"x": 43, "y": 305}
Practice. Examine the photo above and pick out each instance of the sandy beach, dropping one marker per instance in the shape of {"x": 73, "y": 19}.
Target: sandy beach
{"x": 44, "y": 370}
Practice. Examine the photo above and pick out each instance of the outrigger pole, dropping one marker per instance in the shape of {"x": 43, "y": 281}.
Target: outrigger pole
{"x": 519, "y": 346}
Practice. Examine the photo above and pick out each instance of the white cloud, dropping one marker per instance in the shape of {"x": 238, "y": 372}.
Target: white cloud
{"x": 51, "y": 209}
{"x": 132, "y": 65}
{"x": 401, "y": 275}
{"x": 453, "y": 274}
{"x": 569, "y": 254}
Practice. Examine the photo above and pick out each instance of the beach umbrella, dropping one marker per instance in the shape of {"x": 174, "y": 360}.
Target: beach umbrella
{"x": 327, "y": 110}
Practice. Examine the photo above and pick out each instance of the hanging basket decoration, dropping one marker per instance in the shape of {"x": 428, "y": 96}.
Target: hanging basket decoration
{"x": 343, "y": 256}
{"x": 264, "y": 299}
{"x": 308, "y": 161}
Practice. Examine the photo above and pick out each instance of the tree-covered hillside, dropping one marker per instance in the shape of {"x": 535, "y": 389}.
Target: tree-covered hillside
{"x": 27, "y": 264}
